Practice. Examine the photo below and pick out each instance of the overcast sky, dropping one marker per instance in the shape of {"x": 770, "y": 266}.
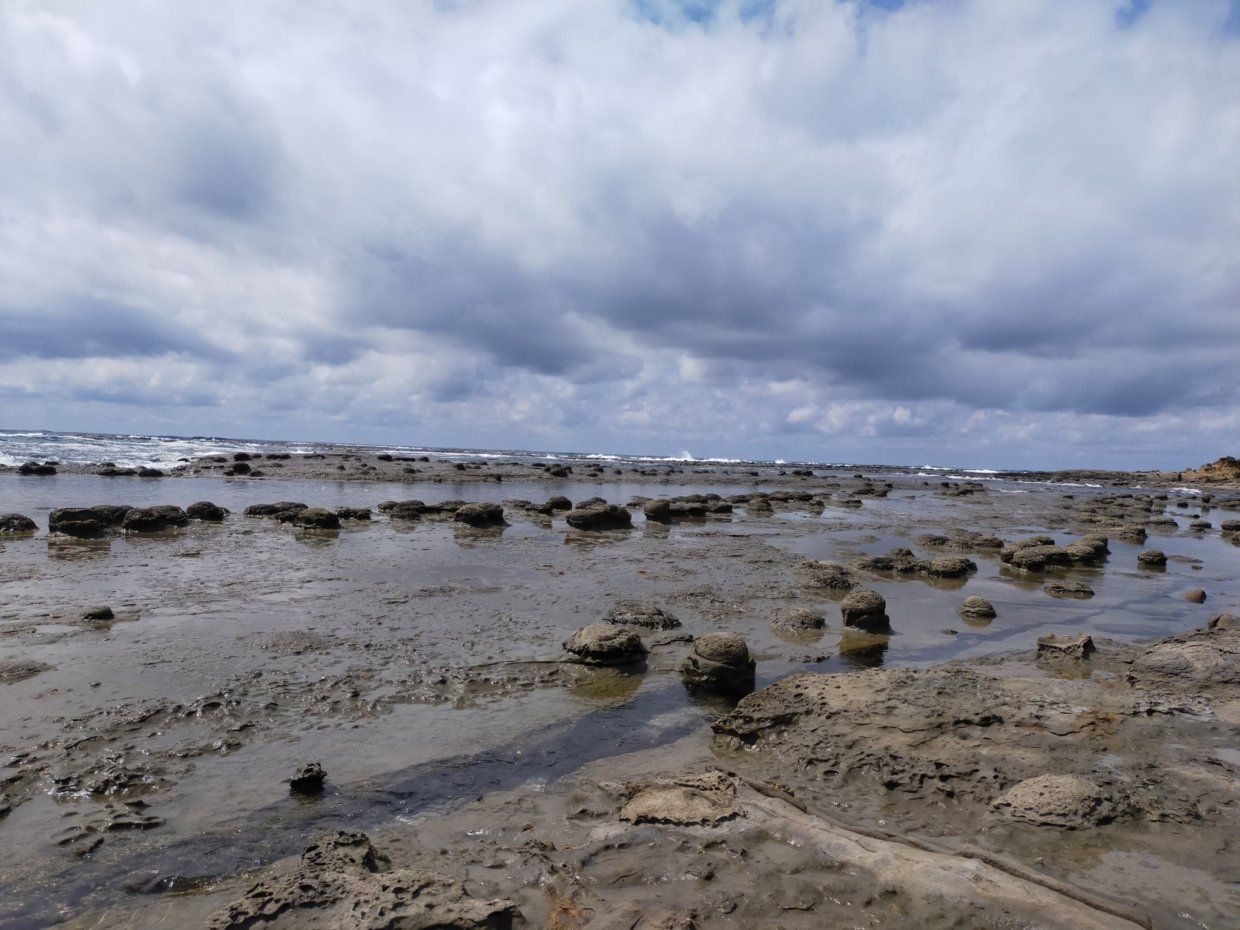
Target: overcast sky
{"x": 978, "y": 233}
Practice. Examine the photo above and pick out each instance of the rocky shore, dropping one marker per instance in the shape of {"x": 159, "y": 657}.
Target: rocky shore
{"x": 365, "y": 464}
{"x": 713, "y": 699}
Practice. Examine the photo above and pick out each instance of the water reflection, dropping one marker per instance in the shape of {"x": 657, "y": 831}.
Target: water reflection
{"x": 863, "y": 650}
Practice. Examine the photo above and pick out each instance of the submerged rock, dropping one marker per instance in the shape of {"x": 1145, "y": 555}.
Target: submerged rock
{"x": 206, "y": 511}
{"x": 16, "y": 523}
{"x": 605, "y": 644}
{"x": 799, "y": 618}
{"x": 308, "y": 779}
{"x": 1065, "y": 801}
{"x": 649, "y": 616}
{"x": 606, "y": 517}
{"x": 1077, "y": 589}
{"x": 719, "y": 663}
{"x": 866, "y": 610}
{"x": 101, "y": 612}
{"x": 36, "y": 468}
{"x": 1152, "y": 558}
{"x": 313, "y": 518}
{"x": 660, "y": 511}
{"x": 480, "y": 515}
{"x": 344, "y": 883}
{"x": 86, "y": 521}
{"x": 977, "y": 608}
{"x": 272, "y": 510}
{"x": 154, "y": 519}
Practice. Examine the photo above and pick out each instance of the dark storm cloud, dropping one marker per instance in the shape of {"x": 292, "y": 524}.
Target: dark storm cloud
{"x": 992, "y": 226}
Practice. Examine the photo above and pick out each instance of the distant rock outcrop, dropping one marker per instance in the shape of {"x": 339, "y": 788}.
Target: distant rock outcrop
{"x": 1225, "y": 469}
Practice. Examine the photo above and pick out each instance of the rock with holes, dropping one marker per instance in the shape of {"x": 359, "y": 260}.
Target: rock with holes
{"x": 647, "y": 616}
{"x": 1068, "y": 802}
{"x": 344, "y": 883}
{"x": 605, "y": 644}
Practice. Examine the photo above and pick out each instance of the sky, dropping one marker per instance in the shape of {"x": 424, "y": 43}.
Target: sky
{"x": 974, "y": 233}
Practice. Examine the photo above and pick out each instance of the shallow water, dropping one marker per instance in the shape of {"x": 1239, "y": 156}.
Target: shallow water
{"x": 244, "y": 648}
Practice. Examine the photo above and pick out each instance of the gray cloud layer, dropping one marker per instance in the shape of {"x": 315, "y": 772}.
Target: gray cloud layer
{"x": 955, "y": 231}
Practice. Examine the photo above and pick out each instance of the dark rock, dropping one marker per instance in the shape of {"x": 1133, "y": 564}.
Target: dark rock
{"x": 206, "y": 511}
{"x": 606, "y": 517}
{"x": 866, "y": 610}
{"x": 36, "y": 468}
{"x": 308, "y": 779}
{"x": 240, "y": 468}
{"x": 1152, "y": 558}
{"x": 605, "y": 644}
{"x": 719, "y": 663}
{"x": 102, "y": 612}
{"x": 648, "y": 616}
{"x": 86, "y": 522}
{"x": 272, "y": 510}
{"x": 145, "y": 472}
{"x": 16, "y": 523}
{"x": 154, "y": 519}
{"x": 480, "y": 515}
{"x": 313, "y": 518}
{"x": 241, "y": 456}
{"x": 353, "y": 513}
{"x": 659, "y": 511}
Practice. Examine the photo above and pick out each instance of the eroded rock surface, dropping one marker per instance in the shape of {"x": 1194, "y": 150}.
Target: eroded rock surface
{"x": 342, "y": 883}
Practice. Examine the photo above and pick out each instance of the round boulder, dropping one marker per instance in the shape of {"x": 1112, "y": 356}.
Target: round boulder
{"x": 480, "y": 515}
{"x": 605, "y": 644}
{"x": 1065, "y": 801}
{"x": 1195, "y": 596}
{"x": 16, "y": 523}
{"x": 660, "y": 511}
{"x": 206, "y": 511}
{"x": 719, "y": 663}
{"x": 865, "y": 609}
{"x": 977, "y": 608}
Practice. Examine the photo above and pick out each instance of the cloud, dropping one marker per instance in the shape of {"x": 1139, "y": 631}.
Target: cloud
{"x": 957, "y": 229}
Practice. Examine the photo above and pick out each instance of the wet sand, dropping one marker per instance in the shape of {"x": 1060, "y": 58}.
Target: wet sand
{"x": 419, "y": 661}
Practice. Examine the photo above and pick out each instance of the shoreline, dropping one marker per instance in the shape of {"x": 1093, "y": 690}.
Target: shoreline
{"x": 424, "y": 662}
{"x": 363, "y": 464}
